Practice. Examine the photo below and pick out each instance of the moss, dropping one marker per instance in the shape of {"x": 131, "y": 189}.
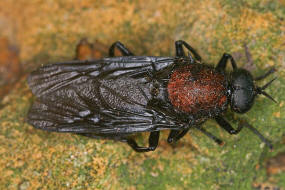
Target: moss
{"x": 49, "y": 31}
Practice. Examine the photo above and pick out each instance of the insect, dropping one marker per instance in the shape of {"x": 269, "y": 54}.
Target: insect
{"x": 116, "y": 97}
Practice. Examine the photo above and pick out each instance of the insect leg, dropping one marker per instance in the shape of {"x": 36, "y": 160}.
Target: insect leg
{"x": 255, "y": 131}
{"x": 153, "y": 142}
{"x": 180, "y": 52}
{"x": 272, "y": 70}
{"x": 175, "y": 135}
{"x": 121, "y": 48}
{"x": 223, "y": 62}
{"x": 172, "y": 135}
{"x": 226, "y": 126}
{"x": 210, "y": 135}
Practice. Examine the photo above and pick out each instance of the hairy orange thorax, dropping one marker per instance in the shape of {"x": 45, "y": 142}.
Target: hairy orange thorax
{"x": 195, "y": 88}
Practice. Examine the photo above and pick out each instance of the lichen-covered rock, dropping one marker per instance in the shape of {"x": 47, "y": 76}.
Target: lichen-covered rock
{"x": 49, "y": 31}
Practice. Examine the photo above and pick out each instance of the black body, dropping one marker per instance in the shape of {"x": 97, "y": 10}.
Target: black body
{"x": 106, "y": 96}
{"x": 119, "y": 96}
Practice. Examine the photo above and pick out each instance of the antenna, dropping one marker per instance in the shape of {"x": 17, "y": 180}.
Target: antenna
{"x": 260, "y": 90}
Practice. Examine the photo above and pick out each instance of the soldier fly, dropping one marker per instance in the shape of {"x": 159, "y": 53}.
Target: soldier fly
{"x": 116, "y": 97}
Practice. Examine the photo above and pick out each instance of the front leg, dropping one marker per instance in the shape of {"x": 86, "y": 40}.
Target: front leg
{"x": 180, "y": 52}
{"x": 256, "y": 132}
{"x": 272, "y": 70}
{"x": 153, "y": 142}
{"x": 223, "y": 62}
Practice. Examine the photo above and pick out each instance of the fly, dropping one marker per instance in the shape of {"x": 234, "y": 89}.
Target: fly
{"x": 116, "y": 97}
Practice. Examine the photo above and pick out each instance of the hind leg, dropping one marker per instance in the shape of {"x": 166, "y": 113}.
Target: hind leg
{"x": 121, "y": 48}
{"x": 153, "y": 142}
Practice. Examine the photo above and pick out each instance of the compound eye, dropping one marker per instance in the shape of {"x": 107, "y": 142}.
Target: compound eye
{"x": 242, "y": 100}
